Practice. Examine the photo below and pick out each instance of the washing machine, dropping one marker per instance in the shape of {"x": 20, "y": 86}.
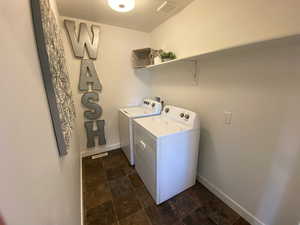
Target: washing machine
{"x": 166, "y": 151}
{"x": 149, "y": 107}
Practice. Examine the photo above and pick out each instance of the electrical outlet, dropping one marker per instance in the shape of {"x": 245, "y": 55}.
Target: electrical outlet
{"x": 227, "y": 117}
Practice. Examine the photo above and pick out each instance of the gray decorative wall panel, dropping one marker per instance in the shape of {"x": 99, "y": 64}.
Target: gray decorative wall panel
{"x": 54, "y": 71}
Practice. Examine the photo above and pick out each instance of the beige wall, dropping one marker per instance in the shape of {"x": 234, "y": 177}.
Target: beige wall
{"x": 37, "y": 186}
{"x": 254, "y": 163}
{"x": 209, "y": 25}
{"x": 122, "y": 86}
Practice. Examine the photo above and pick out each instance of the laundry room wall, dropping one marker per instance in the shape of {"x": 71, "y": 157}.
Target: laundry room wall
{"x": 252, "y": 163}
{"x": 37, "y": 186}
{"x": 208, "y": 25}
{"x": 121, "y": 85}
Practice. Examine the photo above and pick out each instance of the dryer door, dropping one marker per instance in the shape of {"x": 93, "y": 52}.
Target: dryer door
{"x": 145, "y": 162}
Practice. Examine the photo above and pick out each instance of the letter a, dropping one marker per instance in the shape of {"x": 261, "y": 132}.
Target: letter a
{"x": 88, "y": 76}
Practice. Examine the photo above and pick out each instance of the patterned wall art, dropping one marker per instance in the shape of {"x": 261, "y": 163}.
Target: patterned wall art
{"x": 55, "y": 75}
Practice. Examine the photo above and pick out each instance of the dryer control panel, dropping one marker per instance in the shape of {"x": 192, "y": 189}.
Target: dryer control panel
{"x": 182, "y": 115}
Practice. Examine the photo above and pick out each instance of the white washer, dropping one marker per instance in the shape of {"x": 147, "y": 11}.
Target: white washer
{"x": 166, "y": 151}
{"x": 126, "y": 115}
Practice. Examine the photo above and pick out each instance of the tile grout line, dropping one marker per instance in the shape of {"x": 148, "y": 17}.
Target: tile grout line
{"x": 113, "y": 205}
{"x": 143, "y": 208}
{"x": 112, "y": 197}
{"x": 237, "y": 220}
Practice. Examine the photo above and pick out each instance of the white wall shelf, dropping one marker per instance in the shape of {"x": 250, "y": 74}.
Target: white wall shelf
{"x": 195, "y": 58}
{"x": 190, "y": 58}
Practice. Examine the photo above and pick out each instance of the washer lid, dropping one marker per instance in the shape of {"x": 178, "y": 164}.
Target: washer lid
{"x": 138, "y": 111}
{"x": 161, "y": 125}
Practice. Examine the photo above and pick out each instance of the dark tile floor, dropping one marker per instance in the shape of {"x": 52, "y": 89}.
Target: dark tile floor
{"x": 115, "y": 195}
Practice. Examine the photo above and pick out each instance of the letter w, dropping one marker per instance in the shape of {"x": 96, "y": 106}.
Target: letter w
{"x": 86, "y": 39}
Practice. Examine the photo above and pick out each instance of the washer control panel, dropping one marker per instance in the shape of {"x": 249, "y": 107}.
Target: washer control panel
{"x": 152, "y": 104}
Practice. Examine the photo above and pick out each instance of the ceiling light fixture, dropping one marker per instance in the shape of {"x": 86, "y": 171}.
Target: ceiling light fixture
{"x": 122, "y": 5}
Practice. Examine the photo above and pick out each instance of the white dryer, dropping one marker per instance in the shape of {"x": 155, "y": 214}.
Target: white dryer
{"x": 126, "y": 115}
{"x": 166, "y": 151}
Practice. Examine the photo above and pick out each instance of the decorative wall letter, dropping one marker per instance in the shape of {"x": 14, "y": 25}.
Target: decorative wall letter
{"x": 89, "y": 40}
{"x": 88, "y": 76}
{"x": 92, "y": 134}
{"x": 85, "y": 39}
{"x": 86, "y": 101}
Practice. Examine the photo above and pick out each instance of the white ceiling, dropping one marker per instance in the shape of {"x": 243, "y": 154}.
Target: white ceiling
{"x": 144, "y": 17}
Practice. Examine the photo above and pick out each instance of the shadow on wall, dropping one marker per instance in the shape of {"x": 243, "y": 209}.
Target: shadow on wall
{"x": 143, "y": 75}
{"x": 255, "y": 160}
{"x": 182, "y": 73}
{"x": 281, "y": 189}
{"x": 179, "y": 74}
{"x": 206, "y": 142}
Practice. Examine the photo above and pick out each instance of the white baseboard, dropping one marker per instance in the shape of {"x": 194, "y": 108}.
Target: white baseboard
{"x": 230, "y": 202}
{"x": 107, "y": 148}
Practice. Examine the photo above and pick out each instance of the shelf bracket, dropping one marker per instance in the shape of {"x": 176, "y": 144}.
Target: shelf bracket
{"x": 195, "y": 71}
